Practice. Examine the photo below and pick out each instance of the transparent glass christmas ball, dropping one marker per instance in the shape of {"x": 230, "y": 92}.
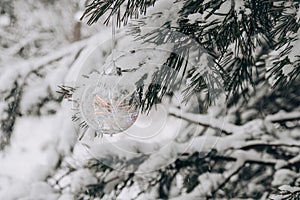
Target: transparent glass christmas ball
{"x": 111, "y": 106}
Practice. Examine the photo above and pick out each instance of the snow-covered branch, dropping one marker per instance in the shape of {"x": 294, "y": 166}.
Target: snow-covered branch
{"x": 205, "y": 120}
{"x": 257, "y": 144}
{"x": 283, "y": 116}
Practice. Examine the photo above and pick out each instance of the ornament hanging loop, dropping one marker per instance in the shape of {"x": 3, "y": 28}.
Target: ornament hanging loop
{"x": 112, "y": 69}
{"x": 113, "y": 32}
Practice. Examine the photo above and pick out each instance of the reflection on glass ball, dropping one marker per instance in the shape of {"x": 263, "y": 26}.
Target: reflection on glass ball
{"x": 110, "y": 107}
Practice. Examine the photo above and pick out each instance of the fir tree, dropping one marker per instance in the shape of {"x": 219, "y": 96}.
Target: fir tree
{"x": 251, "y": 45}
{"x": 247, "y": 147}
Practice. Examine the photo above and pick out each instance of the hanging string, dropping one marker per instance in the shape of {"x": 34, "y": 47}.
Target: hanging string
{"x": 113, "y": 30}
{"x": 114, "y": 66}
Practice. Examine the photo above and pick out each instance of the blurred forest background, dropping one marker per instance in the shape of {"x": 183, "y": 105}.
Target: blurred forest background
{"x": 256, "y": 156}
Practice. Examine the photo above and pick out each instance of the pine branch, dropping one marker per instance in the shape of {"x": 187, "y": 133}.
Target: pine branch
{"x": 231, "y": 35}
{"x": 286, "y": 34}
{"x": 132, "y": 9}
{"x": 232, "y": 38}
{"x": 13, "y": 100}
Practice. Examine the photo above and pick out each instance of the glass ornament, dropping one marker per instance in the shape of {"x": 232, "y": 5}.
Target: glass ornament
{"x": 111, "y": 106}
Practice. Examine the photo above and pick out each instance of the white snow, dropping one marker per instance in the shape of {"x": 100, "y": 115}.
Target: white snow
{"x": 38, "y": 142}
{"x": 81, "y": 178}
{"x": 208, "y": 182}
{"x": 4, "y": 20}
{"x": 32, "y": 147}
{"x": 284, "y": 177}
{"x": 29, "y": 160}
{"x": 195, "y": 17}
